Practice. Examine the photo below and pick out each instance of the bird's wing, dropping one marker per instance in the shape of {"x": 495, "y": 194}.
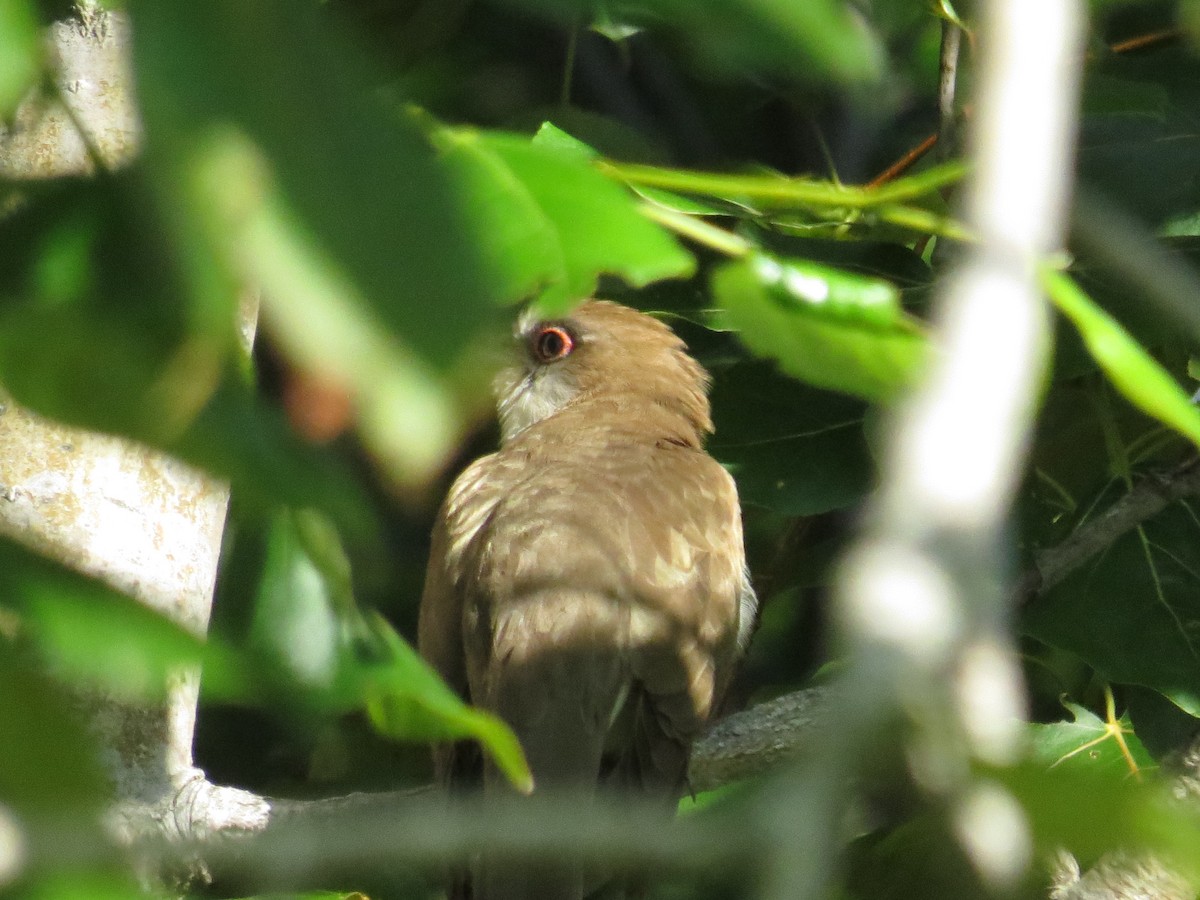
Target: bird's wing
{"x": 440, "y": 626}
{"x": 603, "y": 573}
{"x": 689, "y": 586}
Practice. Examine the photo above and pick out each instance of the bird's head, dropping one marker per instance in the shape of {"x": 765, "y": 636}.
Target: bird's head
{"x": 599, "y": 349}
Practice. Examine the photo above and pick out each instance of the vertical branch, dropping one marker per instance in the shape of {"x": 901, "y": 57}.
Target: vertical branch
{"x": 922, "y": 599}
{"x": 947, "y": 135}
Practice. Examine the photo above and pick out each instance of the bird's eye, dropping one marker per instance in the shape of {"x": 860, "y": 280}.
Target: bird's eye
{"x": 552, "y": 342}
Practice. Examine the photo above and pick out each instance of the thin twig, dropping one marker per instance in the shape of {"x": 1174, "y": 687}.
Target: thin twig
{"x": 947, "y": 136}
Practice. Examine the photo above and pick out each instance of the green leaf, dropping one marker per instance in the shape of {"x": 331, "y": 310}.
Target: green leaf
{"x": 379, "y": 259}
{"x": 90, "y": 633}
{"x": 310, "y": 634}
{"x": 1090, "y": 814}
{"x": 405, "y": 411}
{"x": 597, "y": 223}
{"x": 296, "y": 628}
{"x": 95, "y": 637}
{"x": 360, "y": 182}
{"x": 793, "y": 449}
{"x": 1161, "y": 726}
{"x": 554, "y": 139}
{"x": 69, "y": 883}
{"x": 47, "y": 763}
{"x": 1089, "y": 744}
{"x": 830, "y": 293}
{"x": 508, "y": 225}
{"x": 1133, "y": 613}
{"x": 20, "y": 52}
{"x": 406, "y": 699}
{"x": 867, "y": 349}
{"x": 93, "y": 327}
{"x": 1131, "y": 369}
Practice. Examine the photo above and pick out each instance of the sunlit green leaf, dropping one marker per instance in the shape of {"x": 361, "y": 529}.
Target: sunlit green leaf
{"x": 1090, "y": 744}
{"x": 1091, "y": 814}
{"x": 1130, "y": 368}
{"x": 873, "y": 360}
{"x": 521, "y": 243}
{"x": 406, "y": 699}
{"x": 598, "y": 226}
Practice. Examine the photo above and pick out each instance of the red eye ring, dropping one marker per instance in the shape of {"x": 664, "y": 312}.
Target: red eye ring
{"x": 552, "y": 342}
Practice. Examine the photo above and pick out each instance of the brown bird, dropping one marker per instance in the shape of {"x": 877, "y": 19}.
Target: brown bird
{"x": 587, "y": 582}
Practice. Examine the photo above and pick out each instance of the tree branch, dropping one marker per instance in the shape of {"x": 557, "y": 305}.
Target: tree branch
{"x": 1148, "y": 498}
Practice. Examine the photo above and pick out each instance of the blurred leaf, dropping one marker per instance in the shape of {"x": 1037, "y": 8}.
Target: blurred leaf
{"x": 20, "y": 52}
{"x": 406, "y": 699}
{"x": 48, "y": 764}
{"x": 404, "y": 409}
{"x": 374, "y": 266}
{"x": 74, "y": 884}
{"x": 1090, "y": 814}
{"x": 240, "y": 437}
{"x": 1112, "y": 95}
{"x": 90, "y": 633}
{"x": 99, "y": 639}
{"x": 308, "y": 630}
{"x": 1133, "y": 613}
{"x": 792, "y": 448}
{"x": 1130, "y": 368}
{"x": 1090, "y": 744}
{"x": 811, "y": 40}
{"x": 871, "y": 351}
{"x": 360, "y": 183}
{"x": 94, "y": 331}
{"x": 597, "y": 224}
{"x": 296, "y": 628}
{"x": 92, "y": 327}
{"x": 1184, "y": 225}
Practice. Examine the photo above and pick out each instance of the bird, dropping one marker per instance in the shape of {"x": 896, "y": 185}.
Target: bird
{"x": 587, "y": 581}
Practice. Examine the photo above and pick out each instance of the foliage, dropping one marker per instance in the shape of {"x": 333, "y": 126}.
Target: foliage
{"x": 397, "y": 180}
